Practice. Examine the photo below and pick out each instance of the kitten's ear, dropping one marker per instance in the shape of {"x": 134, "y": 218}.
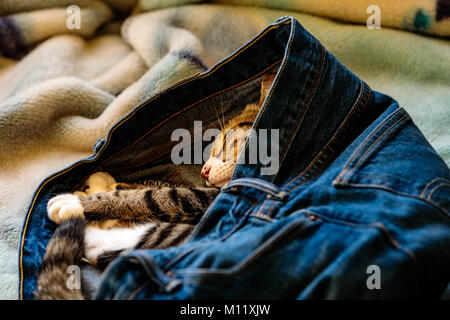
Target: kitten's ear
{"x": 265, "y": 86}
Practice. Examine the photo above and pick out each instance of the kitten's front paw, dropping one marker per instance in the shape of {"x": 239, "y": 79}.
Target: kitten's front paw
{"x": 99, "y": 182}
{"x": 63, "y": 207}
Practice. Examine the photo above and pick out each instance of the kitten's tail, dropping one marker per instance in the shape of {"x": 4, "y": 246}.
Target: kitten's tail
{"x": 60, "y": 278}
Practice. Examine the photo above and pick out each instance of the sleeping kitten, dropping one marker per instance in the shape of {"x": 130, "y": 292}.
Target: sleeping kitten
{"x": 105, "y": 219}
{"x": 217, "y": 171}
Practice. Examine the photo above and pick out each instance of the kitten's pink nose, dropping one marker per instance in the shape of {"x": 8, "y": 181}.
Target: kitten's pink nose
{"x": 205, "y": 171}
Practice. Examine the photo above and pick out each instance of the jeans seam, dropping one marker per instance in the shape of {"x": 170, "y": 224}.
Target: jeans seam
{"x": 159, "y": 276}
{"x": 305, "y": 107}
{"x": 182, "y": 254}
{"x": 328, "y": 145}
{"x": 349, "y": 167}
{"x": 137, "y": 290}
{"x": 362, "y": 159}
{"x": 373, "y": 225}
{"x": 388, "y": 189}
{"x": 422, "y": 194}
{"x": 429, "y": 184}
{"x": 298, "y": 123}
{"x": 242, "y": 268}
{"x": 381, "y": 181}
{"x": 262, "y": 216}
{"x": 437, "y": 187}
{"x": 267, "y": 100}
{"x": 374, "y": 133}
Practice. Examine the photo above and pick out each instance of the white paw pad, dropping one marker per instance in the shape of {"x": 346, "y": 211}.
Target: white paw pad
{"x": 63, "y": 207}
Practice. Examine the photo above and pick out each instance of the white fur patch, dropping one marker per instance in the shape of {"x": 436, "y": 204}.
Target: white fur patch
{"x": 98, "y": 241}
{"x": 65, "y": 206}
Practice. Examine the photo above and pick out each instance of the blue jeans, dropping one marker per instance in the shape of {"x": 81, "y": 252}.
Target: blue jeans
{"x": 359, "y": 207}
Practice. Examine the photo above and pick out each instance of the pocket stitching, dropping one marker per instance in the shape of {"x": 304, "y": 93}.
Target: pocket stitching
{"x": 373, "y": 225}
{"x": 437, "y": 187}
{"x": 429, "y": 184}
{"x": 388, "y": 189}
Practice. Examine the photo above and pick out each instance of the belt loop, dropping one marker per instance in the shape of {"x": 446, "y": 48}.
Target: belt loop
{"x": 98, "y": 145}
{"x": 273, "y": 192}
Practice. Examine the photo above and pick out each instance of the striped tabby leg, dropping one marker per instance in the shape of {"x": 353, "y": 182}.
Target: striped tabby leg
{"x": 165, "y": 204}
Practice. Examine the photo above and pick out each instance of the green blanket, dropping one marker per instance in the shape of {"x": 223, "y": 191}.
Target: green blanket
{"x": 62, "y": 88}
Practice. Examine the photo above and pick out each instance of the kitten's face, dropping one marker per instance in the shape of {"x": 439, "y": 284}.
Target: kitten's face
{"x": 218, "y": 170}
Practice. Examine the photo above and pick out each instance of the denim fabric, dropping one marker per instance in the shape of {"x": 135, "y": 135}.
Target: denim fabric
{"x": 358, "y": 185}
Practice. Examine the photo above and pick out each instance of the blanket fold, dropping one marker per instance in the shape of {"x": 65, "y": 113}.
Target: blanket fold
{"x": 422, "y": 16}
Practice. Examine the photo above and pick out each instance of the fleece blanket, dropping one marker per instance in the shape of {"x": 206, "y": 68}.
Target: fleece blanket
{"x": 70, "y": 69}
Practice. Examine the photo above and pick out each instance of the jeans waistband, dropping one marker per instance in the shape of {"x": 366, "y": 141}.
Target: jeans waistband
{"x": 311, "y": 133}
